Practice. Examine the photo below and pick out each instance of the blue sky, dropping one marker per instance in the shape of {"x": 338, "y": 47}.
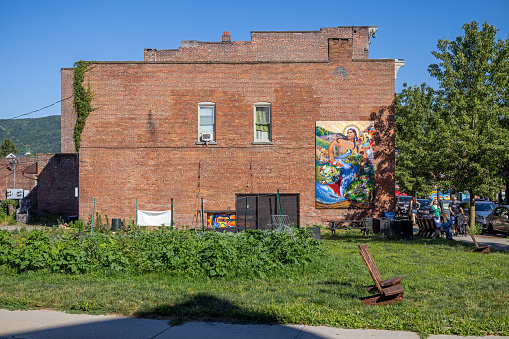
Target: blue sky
{"x": 38, "y": 38}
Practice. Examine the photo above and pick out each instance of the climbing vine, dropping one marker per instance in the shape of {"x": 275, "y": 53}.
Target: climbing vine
{"x": 82, "y": 100}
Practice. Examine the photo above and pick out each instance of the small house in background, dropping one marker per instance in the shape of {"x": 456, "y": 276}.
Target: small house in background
{"x": 306, "y": 113}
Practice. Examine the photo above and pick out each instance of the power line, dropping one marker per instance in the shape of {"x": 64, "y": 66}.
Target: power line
{"x": 40, "y": 109}
{"x": 37, "y": 110}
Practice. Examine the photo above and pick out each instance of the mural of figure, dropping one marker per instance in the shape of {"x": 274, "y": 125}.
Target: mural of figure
{"x": 348, "y": 175}
{"x": 346, "y": 147}
{"x": 344, "y": 164}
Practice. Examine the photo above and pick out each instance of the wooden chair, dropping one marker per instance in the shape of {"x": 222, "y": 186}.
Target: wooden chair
{"x": 430, "y": 227}
{"x": 422, "y": 228}
{"x": 390, "y": 290}
{"x": 481, "y": 249}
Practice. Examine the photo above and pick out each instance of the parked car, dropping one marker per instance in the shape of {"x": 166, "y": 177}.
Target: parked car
{"x": 498, "y": 220}
{"x": 424, "y": 208}
{"x": 482, "y": 209}
{"x": 402, "y": 204}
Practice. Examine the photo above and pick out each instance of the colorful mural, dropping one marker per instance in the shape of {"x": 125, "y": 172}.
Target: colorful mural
{"x": 220, "y": 220}
{"x": 345, "y": 168}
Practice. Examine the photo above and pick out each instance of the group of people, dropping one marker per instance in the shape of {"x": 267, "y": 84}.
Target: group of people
{"x": 435, "y": 211}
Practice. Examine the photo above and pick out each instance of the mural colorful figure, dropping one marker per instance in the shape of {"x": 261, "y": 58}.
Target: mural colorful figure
{"x": 220, "y": 220}
{"x": 345, "y": 169}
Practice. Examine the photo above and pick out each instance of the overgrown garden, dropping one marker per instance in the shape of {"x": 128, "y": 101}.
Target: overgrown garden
{"x": 255, "y": 276}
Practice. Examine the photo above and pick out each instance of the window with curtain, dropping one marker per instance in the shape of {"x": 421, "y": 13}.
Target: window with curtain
{"x": 262, "y": 122}
{"x": 206, "y": 119}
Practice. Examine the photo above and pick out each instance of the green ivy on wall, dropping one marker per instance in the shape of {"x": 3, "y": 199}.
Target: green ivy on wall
{"x": 82, "y": 100}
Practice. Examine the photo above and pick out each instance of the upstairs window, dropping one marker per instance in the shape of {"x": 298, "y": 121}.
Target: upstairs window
{"x": 206, "y": 122}
{"x": 262, "y": 120}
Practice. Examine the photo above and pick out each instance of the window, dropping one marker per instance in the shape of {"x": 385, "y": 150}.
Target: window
{"x": 262, "y": 121}
{"x": 206, "y": 122}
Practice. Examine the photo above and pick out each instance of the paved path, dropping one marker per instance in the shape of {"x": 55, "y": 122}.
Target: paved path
{"x": 52, "y": 324}
{"x": 498, "y": 241}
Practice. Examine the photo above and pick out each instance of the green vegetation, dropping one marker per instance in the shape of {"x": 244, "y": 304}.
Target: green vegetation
{"x": 82, "y": 100}
{"x": 251, "y": 253}
{"x": 42, "y": 134}
{"x": 456, "y": 137}
{"x": 7, "y": 147}
{"x": 447, "y": 290}
{"x": 4, "y": 203}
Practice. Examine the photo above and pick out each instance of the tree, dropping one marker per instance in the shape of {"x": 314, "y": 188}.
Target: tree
{"x": 414, "y": 113}
{"x": 7, "y": 147}
{"x": 471, "y": 142}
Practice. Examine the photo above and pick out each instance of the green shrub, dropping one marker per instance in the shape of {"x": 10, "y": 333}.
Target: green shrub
{"x": 11, "y": 219}
{"x": 3, "y": 217}
{"x": 46, "y": 219}
{"x": 212, "y": 254}
{"x": 5, "y": 202}
{"x": 478, "y": 228}
{"x": 77, "y": 226}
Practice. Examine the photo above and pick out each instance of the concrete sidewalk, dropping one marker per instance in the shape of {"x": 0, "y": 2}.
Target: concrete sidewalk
{"x": 52, "y": 324}
{"x": 497, "y": 242}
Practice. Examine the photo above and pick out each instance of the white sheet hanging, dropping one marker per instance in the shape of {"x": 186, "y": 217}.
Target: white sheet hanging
{"x": 154, "y": 218}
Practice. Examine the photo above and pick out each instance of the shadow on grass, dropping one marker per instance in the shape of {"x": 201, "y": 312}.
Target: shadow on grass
{"x": 205, "y": 307}
{"x": 359, "y": 238}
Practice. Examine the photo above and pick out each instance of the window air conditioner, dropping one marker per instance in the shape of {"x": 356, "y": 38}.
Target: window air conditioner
{"x": 206, "y": 137}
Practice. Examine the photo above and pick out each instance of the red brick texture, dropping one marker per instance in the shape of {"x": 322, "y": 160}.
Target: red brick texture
{"x": 268, "y": 46}
{"x": 52, "y": 189}
{"x": 142, "y": 141}
{"x": 67, "y": 116}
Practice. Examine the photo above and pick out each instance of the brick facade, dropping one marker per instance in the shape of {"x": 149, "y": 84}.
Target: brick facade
{"x": 52, "y": 189}
{"x": 141, "y": 144}
{"x": 67, "y": 115}
{"x": 268, "y": 46}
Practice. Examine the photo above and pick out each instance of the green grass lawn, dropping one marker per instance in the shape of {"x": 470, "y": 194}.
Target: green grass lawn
{"x": 447, "y": 290}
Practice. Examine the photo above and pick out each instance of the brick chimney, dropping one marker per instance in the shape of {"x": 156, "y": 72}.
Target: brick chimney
{"x": 226, "y": 37}
{"x": 340, "y": 50}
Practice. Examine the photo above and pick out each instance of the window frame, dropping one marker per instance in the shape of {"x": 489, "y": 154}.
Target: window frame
{"x": 262, "y": 141}
{"x": 200, "y": 106}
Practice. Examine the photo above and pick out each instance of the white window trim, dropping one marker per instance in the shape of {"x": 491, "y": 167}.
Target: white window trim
{"x": 262, "y": 142}
{"x": 207, "y": 104}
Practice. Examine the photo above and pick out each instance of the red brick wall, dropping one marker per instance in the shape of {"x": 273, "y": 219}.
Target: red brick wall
{"x": 9, "y": 180}
{"x": 67, "y": 116}
{"x": 269, "y": 46}
{"x": 58, "y": 176}
{"x": 141, "y": 143}
{"x": 52, "y": 187}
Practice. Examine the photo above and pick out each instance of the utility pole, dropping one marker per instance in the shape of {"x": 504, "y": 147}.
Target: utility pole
{"x": 14, "y": 162}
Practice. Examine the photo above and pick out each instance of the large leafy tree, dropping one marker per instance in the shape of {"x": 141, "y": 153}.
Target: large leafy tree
{"x": 463, "y": 121}
{"x": 414, "y": 123}
{"x": 473, "y": 75}
{"x": 7, "y": 147}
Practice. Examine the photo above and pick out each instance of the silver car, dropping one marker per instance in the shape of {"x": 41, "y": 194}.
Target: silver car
{"x": 482, "y": 210}
{"x": 498, "y": 220}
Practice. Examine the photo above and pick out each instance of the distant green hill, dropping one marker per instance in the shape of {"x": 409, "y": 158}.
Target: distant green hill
{"x": 41, "y": 134}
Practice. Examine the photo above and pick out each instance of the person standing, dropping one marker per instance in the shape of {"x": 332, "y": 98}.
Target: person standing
{"x": 435, "y": 210}
{"x": 457, "y": 215}
{"x": 413, "y": 207}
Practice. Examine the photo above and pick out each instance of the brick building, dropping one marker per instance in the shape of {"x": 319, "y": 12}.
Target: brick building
{"x": 50, "y": 180}
{"x": 214, "y": 119}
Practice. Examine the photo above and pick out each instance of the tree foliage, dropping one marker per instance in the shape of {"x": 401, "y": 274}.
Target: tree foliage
{"x": 456, "y": 137}
{"x": 473, "y": 77}
{"x": 414, "y": 112}
{"x": 7, "y": 147}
